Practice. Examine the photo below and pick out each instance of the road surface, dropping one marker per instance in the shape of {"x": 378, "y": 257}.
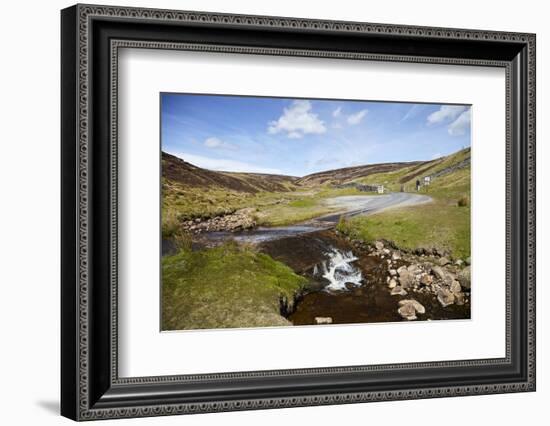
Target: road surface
{"x": 347, "y": 206}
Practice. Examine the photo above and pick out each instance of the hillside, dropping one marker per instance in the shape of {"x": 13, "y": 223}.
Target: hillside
{"x": 179, "y": 171}
{"x": 453, "y": 168}
{"x": 347, "y": 174}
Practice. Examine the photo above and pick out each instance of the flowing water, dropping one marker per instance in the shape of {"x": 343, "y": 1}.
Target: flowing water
{"x": 339, "y": 270}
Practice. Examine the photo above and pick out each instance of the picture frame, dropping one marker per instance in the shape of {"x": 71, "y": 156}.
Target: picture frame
{"x": 90, "y": 384}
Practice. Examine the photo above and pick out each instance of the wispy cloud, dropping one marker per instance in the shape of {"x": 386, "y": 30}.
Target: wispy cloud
{"x": 224, "y": 164}
{"x": 461, "y": 124}
{"x": 356, "y": 118}
{"x": 216, "y": 143}
{"x": 337, "y": 112}
{"x": 411, "y": 112}
{"x": 456, "y": 116}
{"x": 445, "y": 113}
{"x": 297, "y": 120}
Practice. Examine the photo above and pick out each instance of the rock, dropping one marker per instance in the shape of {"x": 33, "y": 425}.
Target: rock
{"x": 455, "y": 287}
{"x": 464, "y": 277}
{"x": 414, "y": 269}
{"x": 426, "y": 279}
{"x": 379, "y": 245}
{"x": 323, "y": 320}
{"x": 449, "y": 279}
{"x": 415, "y": 304}
{"x": 392, "y": 283}
{"x": 406, "y": 279}
{"x": 408, "y": 312}
{"x": 386, "y": 251}
{"x": 445, "y": 297}
{"x": 401, "y": 268}
{"x": 468, "y": 261}
{"x": 459, "y": 262}
{"x": 392, "y": 272}
{"x": 444, "y": 261}
{"x": 398, "y": 291}
{"x": 396, "y": 255}
{"x": 438, "y": 272}
{"x": 459, "y": 299}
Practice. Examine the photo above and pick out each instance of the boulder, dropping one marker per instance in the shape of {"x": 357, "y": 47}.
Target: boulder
{"x": 323, "y": 320}
{"x": 455, "y": 287}
{"x": 459, "y": 299}
{"x": 396, "y": 255}
{"x": 426, "y": 279}
{"x": 392, "y": 272}
{"x": 407, "y": 312}
{"x": 445, "y": 297}
{"x": 415, "y": 304}
{"x": 398, "y": 291}
{"x": 444, "y": 261}
{"x": 449, "y": 279}
{"x": 438, "y": 272}
{"x": 406, "y": 279}
{"x": 379, "y": 245}
{"x": 414, "y": 269}
{"x": 464, "y": 277}
{"x": 392, "y": 283}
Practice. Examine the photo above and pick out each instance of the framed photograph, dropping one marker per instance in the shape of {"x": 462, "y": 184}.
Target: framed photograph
{"x": 263, "y": 212}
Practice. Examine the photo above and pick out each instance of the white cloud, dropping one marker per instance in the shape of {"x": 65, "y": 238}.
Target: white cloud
{"x": 457, "y": 117}
{"x": 460, "y": 125}
{"x": 445, "y": 114}
{"x": 357, "y": 117}
{"x": 215, "y": 143}
{"x": 297, "y": 120}
{"x": 337, "y": 112}
{"x": 224, "y": 164}
{"x": 410, "y": 113}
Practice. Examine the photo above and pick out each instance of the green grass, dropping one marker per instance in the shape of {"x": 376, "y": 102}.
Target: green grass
{"x": 443, "y": 224}
{"x": 225, "y": 287}
{"x": 181, "y": 203}
{"x": 435, "y": 225}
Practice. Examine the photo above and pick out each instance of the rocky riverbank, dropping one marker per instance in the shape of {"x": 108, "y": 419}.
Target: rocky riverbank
{"x": 238, "y": 221}
{"x": 421, "y": 274}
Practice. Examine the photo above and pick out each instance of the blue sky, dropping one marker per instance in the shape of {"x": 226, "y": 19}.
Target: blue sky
{"x": 302, "y": 136}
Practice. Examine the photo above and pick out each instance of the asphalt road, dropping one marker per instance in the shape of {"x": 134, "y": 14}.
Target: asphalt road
{"x": 353, "y": 205}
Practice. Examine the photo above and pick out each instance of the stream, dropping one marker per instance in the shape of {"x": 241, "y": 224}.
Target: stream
{"x": 345, "y": 284}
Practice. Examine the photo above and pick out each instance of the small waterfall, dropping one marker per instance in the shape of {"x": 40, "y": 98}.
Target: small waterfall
{"x": 338, "y": 269}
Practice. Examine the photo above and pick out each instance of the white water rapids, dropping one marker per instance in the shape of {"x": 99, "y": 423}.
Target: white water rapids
{"x": 338, "y": 270}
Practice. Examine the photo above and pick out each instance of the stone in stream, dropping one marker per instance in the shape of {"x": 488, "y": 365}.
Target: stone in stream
{"x": 426, "y": 279}
{"x": 406, "y": 279}
{"x": 416, "y": 305}
{"x": 445, "y": 297}
{"x": 323, "y": 320}
{"x": 398, "y": 291}
{"x": 455, "y": 288}
{"x": 408, "y": 312}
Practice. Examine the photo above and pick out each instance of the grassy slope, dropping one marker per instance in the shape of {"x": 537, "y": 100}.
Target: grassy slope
{"x": 441, "y": 224}
{"x": 224, "y": 287}
{"x": 180, "y": 202}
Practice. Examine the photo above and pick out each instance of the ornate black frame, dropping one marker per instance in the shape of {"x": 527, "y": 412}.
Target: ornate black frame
{"x": 91, "y": 37}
